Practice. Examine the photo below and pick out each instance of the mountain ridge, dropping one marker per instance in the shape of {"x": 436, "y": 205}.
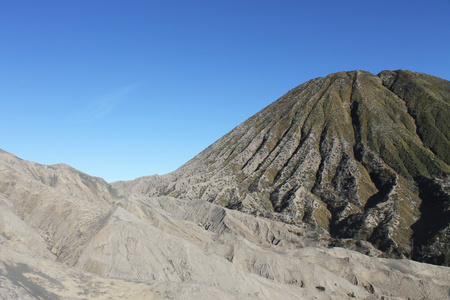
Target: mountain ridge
{"x": 67, "y": 241}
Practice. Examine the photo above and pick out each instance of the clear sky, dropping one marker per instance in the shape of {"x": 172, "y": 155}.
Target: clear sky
{"x": 122, "y": 89}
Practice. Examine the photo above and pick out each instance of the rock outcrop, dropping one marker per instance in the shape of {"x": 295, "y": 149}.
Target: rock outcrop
{"x": 364, "y": 157}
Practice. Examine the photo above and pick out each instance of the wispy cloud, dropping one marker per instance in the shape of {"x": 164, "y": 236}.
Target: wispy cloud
{"x": 102, "y": 106}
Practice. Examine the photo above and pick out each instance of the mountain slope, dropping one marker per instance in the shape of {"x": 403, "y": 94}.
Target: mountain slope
{"x": 70, "y": 241}
{"x": 357, "y": 154}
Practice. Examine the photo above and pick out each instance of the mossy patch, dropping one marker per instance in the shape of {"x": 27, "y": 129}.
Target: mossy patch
{"x": 322, "y": 215}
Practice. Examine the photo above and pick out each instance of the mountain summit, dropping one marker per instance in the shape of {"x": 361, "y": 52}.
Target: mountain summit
{"x": 360, "y": 156}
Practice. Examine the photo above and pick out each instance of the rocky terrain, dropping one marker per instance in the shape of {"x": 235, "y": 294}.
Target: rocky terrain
{"x": 67, "y": 235}
{"x": 364, "y": 157}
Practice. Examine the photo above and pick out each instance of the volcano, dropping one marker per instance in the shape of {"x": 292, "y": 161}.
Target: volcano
{"x": 363, "y": 157}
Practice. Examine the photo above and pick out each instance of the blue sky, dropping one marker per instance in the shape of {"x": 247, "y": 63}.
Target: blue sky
{"x": 122, "y": 89}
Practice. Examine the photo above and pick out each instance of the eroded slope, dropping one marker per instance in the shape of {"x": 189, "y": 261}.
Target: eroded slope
{"x": 56, "y": 244}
